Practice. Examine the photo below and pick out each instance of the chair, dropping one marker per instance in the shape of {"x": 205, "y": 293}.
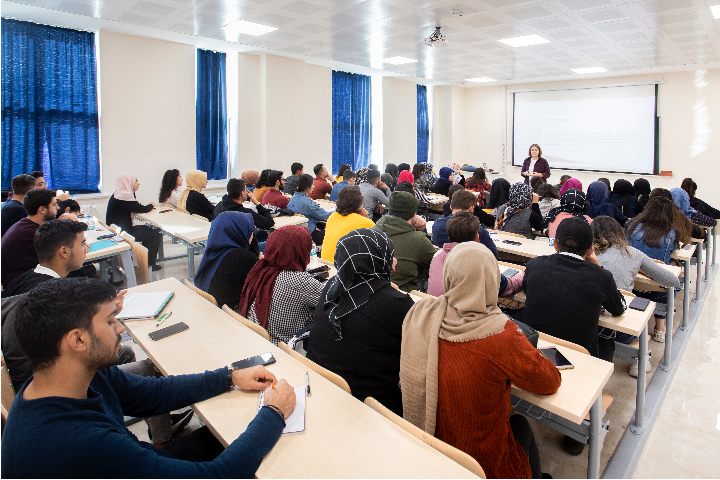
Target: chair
{"x": 142, "y": 271}
{"x": 333, "y": 377}
{"x": 507, "y": 233}
{"x": 421, "y": 294}
{"x": 6, "y": 390}
{"x": 449, "y": 451}
{"x": 251, "y": 325}
{"x": 195, "y": 289}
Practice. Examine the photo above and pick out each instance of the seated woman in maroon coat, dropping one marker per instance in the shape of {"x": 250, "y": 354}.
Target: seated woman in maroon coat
{"x": 535, "y": 165}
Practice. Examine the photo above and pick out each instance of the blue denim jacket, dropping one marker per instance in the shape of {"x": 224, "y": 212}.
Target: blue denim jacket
{"x": 304, "y": 205}
{"x": 663, "y": 253}
{"x": 336, "y": 190}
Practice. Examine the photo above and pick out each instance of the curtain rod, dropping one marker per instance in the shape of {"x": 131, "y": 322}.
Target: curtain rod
{"x": 580, "y": 87}
{"x": 49, "y": 25}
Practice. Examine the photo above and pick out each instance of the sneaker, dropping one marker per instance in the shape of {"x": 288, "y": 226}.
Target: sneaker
{"x": 659, "y": 336}
{"x": 155, "y": 268}
{"x": 634, "y": 368}
{"x": 178, "y": 421}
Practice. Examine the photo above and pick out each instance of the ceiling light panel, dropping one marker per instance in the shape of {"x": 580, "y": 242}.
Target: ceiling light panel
{"x": 715, "y": 10}
{"x": 248, "y": 28}
{"x": 399, "y": 60}
{"x": 589, "y": 70}
{"x": 524, "y": 41}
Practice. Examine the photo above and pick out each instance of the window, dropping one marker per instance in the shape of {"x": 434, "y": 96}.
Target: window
{"x": 211, "y": 126}
{"x": 351, "y": 120}
{"x": 423, "y": 125}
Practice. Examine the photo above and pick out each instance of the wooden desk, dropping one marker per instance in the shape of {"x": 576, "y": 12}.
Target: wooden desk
{"x": 123, "y": 250}
{"x": 343, "y": 438}
{"x": 296, "y": 219}
{"x": 326, "y": 204}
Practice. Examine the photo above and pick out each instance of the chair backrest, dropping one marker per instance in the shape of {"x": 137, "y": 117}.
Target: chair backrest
{"x": 195, "y": 289}
{"x": 564, "y": 343}
{"x": 449, "y": 451}
{"x": 333, "y": 377}
{"x": 421, "y": 294}
{"x": 140, "y": 252}
{"x": 251, "y": 325}
{"x": 6, "y": 389}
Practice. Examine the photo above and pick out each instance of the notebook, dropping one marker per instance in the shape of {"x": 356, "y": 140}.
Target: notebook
{"x": 139, "y": 306}
{"x": 295, "y": 423}
{"x": 101, "y": 244}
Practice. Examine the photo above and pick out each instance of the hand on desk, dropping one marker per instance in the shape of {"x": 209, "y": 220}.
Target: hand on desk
{"x": 282, "y": 397}
{"x": 255, "y": 378}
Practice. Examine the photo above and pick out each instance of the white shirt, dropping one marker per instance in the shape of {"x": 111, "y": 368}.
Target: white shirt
{"x": 531, "y": 169}
{"x": 46, "y": 271}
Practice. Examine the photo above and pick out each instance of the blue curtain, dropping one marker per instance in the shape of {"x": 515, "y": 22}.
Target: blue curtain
{"x": 211, "y": 143}
{"x": 352, "y": 126}
{"x": 49, "y": 105}
{"x": 423, "y": 124}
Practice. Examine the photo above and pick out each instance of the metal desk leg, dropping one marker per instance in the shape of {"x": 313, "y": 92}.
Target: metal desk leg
{"x": 666, "y": 364}
{"x": 686, "y": 295}
{"x": 714, "y": 231}
{"x": 595, "y": 445}
{"x": 707, "y": 254}
{"x": 698, "y": 281}
{"x": 638, "y": 428}
{"x": 191, "y": 262}
{"x": 127, "y": 264}
{"x": 161, "y": 250}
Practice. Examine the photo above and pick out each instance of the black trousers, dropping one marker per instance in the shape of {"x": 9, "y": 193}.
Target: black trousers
{"x": 150, "y": 239}
{"x": 197, "y": 446}
{"x": 524, "y": 436}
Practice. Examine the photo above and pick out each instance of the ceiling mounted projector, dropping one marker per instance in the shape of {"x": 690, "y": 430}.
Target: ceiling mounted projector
{"x": 436, "y": 39}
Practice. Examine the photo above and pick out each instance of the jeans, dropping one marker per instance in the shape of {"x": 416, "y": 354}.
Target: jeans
{"x": 197, "y": 446}
{"x": 159, "y": 424}
{"x": 149, "y": 238}
{"x": 524, "y": 436}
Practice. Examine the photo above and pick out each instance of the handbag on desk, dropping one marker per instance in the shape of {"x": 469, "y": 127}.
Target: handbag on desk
{"x": 530, "y": 333}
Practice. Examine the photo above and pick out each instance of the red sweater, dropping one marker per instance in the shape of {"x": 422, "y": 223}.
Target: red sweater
{"x": 322, "y": 188}
{"x": 473, "y": 411}
{"x": 275, "y": 198}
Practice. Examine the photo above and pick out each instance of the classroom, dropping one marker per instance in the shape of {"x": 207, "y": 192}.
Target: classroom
{"x": 228, "y": 227}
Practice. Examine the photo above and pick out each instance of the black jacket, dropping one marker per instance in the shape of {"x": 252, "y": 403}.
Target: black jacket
{"x": 118, "y": 212}
{"x": 630, "y": 206}
{"x": 198, "y": 204}
{"x": 704, "y": 208}
{"x": 261, "y": 218}
{"x": 227, "y": 283}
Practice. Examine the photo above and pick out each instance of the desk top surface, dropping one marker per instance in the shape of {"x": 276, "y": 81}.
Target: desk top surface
{"x": 91, "y": 237}
{"x": 180, "y": 224}
{"x": 343, "y": 437}
{"x": 285, "y": 221}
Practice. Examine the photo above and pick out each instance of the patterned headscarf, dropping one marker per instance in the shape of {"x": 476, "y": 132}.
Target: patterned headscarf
{"x": 456, "y": 169}
{"x": 363, "y": 260}
{"x": 521, "y": 196}
{"x": 573, "y": 201}
{"x": 682, "y": 200}
{"x": 361, "y": 176}
{"x": 428, "y": 172}
{"x": 195, "y": 180}
{"x": 572, "y": 183}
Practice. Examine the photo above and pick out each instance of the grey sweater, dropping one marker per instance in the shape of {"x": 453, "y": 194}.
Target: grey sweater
{"x": 625, "y": 267}
{"x": 372, "y": 195}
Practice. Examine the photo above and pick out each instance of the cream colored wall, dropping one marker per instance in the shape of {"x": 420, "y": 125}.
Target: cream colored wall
{"x": 147, "y": 90}
{"x": 442, "y": 126}
{"x": 250, "y": 141}
{"x": 318, "y": 117}
{"x": 399, "y": 121}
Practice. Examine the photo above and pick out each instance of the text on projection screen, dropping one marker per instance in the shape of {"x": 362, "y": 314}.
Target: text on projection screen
{"x": 606, "y": 129}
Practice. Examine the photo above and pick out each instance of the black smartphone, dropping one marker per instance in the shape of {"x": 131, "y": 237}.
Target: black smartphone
{"x": 688, "y": 246}
{"x": 165, "y": 211}
{"x": 262, "y": 359}
{"x": 102, "y": 237}
{"x": 510, "y": 272}
{"x": 511, "y": 242}
{"x": 639, "y": 303}
{"x": 552, "y": 354}
{"x": 167, "y": 331}
{"x": 320, "y": 269}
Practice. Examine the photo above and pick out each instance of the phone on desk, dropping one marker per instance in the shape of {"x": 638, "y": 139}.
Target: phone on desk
{"x": 552, "y": 354}
{"x": 320, "y": 269}
{"x": 688, "y": 246}
{"x": 166, "y": 211}
{"x": 512, "y": 242}
{"x": 510, "y": 272}
{"x": 639, "y": 303}
{"x": 262, "y": 359}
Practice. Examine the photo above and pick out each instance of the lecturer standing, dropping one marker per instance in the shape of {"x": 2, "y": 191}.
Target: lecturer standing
{"x": 535, "y": 165}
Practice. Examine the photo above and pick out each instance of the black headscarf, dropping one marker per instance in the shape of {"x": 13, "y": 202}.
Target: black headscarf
{"x": 624, "y": 189}
{"x": 363, "y": 259}
{"x": 499, "y": 193}
{"x": 572, "y": 201}
{"x": 403, "y": 166}
{"x": 642, "y": 189}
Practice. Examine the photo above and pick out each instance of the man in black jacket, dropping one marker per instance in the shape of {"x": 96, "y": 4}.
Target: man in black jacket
{"x": 233, "y": 202}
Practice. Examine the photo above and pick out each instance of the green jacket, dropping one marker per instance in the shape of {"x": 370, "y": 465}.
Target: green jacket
{"x": 413, "y": 249}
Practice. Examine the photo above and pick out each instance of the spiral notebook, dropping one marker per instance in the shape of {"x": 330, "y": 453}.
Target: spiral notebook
{"x": 140, "y": 306}
{"x": 295, "y": 423}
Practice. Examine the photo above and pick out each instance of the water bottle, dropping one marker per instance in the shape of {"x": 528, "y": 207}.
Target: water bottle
{"x": 313, "y": 256}
{"x": 91, "y": 223}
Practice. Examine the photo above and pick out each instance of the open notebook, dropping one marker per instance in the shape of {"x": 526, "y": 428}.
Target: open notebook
{"x": 295, "y": 423}
{"x": 139, "y": 306}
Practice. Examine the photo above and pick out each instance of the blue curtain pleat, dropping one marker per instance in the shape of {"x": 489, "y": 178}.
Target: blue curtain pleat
{"x": 211, "y": 142}
{"x": 50, "y": 116}
{"x": 423, "y": 125}
{"x": 352, "y": 124}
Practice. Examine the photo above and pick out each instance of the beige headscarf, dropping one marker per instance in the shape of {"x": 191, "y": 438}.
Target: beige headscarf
{"x": 195, "y": 180}
{"x": 468, "y": 311}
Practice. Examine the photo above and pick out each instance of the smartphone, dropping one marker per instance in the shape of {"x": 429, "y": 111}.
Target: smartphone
{"x": 320, "y": 269}
{"x": 639, "y": 303}
{"x": 103, "y": 237}
{"x": 688, "y": 246}
{"x": 511, "y": 242}
{"x": 262, "y": 359}
{"x": 552, "y": 354}
{"x": 510, "y": 272}
{"x": 165, "y": 211}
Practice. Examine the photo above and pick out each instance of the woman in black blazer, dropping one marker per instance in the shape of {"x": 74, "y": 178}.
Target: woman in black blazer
{"x": 541, "y": 167}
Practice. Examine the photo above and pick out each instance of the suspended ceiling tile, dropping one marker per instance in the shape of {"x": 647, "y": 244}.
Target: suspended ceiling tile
{"x": 303, "y": 8}
{"x": 578, "y": 5}
{"x": 137, "y": 19}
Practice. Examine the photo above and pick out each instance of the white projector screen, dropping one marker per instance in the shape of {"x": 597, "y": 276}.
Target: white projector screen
{"x": 603, "y": 129}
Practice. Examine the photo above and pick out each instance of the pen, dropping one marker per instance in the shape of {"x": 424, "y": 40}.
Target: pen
{"x": 272, "y": 384}
{"x": 307, "y": 383}
{"x": 162, "y": 318}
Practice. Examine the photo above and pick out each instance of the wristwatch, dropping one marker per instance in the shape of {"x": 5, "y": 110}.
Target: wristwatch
{"x": 230, "y": 377}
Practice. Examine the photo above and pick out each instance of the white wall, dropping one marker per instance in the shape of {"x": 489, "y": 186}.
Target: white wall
{"x": 250, "y": 140}
{"x": 399, "y": 121}
{"x": 318, "y": 117}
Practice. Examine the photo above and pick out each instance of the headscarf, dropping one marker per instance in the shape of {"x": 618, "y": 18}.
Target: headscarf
{"x": 682, "y": 200}
{"x": 456, "y": 168}
{"x": 387, "y": 179}
{"x": 230, "y": 230}
{"x": 361, "y": 176}
{"x": 250, "y": 177}
{"x": 428, "y": 171}
{"x": 623, "y": 187}
{"x": 445, "y": 173}
{"x": 572, "y": 183}
{"x": 124, "y": 187}
{"x": 521, "y": 196}
{"x": 642, "y": 189}
{"x": 287, "y": 248}
{"x": 406, "y": 176}
{"x": 499, "y": 193}
{"x": 363, "y": 259}
{"x": 195, "y": 180}
{"x": 467, "y": 311}
{"x": 573, "y": 201}
{"x": 403, "y": 166}
{"x": 597, "y": 196}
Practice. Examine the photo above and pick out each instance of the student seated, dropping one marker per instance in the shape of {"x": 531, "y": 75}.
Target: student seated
{"x": 348, "y": 179}
{"x": 66, "y": 421}
{"x": 69, "y": 206}
{"x": 447, "y": 208}
{"x": 444, "y": 181}
{"x": 535, "y": 183}
{"x": 642, "y": 190}
{"x": 521, "y": 214}
{"x": 424, "y": 181}
{"x": 606, "y": 181}
{"x": 572, "y": 204}
{"x": 656, "y": 232}
{"x": 262, "y": 186}
{"x": 598, "y": 196}
{"x": 624, "y": 262}
{"x": 233, "y": 202}
{"x": 460, "y": 354}
{"x": 680, "y": 220}
{"x": 250, "y": 177}
{"x": 463, "y": 201}
{"x": 323, "y": 182}
{"x": 499, "y": 195}
{"x": 624, "y": 198}
{"x": 376, "y": 194}
{"x": 478, "y": 183}
{"x": 413, "y": 249}
{"x": 358, "y": 321}
{"x": 192, "y": 200}
{"x": 703, "y": 208}
{"x": 388, "y": 180}
{"x": 302, "y": 203}
{"x": 170, "y": 187}
{"x": 570, "y": 184}
{"x": 18, "y": 248}
{"x": 402, "y": 167}
{"x": 406, "y": 177}
{"x": 227, "y": 259}
{"x": 548, "y": 198}
{"x": 13, "y": 210}
{"x": 42, "y": 184}
{"x": 563, "y": 179}
{"x": 121, "y": 210}
{"x": 291, "y": 181}
{"x": 349, "y": 215}
{"x": 273, "y": 197}
{"x": 682, "y": 200}
{"x": 279, "y": 294}
{"x": 392, "y": 170}
{"x": 341, "y": 172}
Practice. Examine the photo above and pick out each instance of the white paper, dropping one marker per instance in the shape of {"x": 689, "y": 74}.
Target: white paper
{"x": 295, "y": 423}
{"x": 143, "y": 305}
